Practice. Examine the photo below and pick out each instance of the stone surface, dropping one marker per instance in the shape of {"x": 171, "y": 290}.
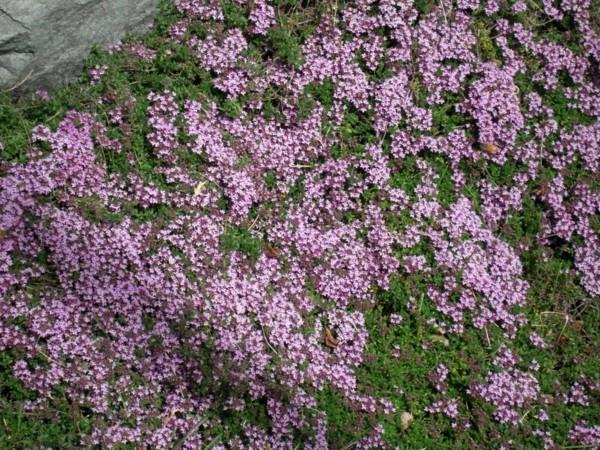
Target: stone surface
{"x": 44, "y": 42}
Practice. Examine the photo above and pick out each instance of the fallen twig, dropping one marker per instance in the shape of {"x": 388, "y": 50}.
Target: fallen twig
{"x": 20, "y": 82}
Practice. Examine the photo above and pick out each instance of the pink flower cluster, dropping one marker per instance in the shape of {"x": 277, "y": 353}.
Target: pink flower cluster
{"x": 508, "y": 391}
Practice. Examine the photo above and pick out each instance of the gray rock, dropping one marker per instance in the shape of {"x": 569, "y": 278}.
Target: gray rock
{"x": 43, "y": 42}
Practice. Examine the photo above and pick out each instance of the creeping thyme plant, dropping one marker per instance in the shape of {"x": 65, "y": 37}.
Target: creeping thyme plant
{"x": 310, "y": 224}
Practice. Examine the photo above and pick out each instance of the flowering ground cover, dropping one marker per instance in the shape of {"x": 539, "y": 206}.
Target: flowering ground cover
{"x": 305, "y": 224}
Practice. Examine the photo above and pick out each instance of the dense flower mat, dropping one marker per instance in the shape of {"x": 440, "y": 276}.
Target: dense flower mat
{"x": 314, "y": 225}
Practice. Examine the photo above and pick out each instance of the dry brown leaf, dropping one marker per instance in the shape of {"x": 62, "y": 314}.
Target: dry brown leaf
{"x": 544, "y": 189}
{"x": 490, "y": 149}
{"x": 270, "y": 251}
{"x": 329, "y": 340}
{"x": 577, "y": 325}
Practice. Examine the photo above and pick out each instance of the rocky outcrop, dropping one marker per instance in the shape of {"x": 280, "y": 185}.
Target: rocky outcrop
{"x": 43, "y": 42}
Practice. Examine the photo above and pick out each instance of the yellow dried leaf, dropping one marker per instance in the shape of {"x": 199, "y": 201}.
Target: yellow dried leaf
{"x": 439, "y": 339}
{"x": 199, "y": 188}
